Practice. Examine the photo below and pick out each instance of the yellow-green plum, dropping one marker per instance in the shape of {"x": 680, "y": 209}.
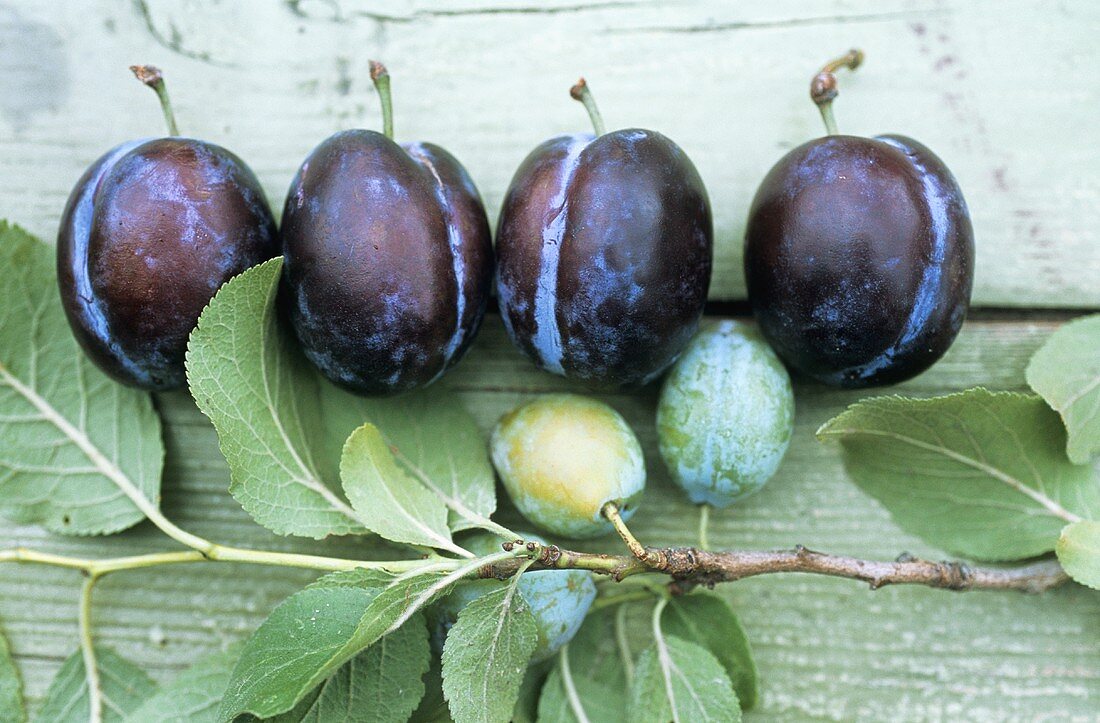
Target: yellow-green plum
{"x": 559, "y": 599}
{"x": 726, "y": 415}
{"x": 562, "y": 457}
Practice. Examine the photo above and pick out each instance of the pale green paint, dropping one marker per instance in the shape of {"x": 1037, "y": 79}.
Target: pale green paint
{"x": 1002, "y": 90}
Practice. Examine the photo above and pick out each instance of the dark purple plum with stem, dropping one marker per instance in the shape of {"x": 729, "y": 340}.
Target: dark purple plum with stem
{"x": 604, "y": 251}
{"x": 388, "y": 258}
{"x": 150, "y": 232}
{"x": 859, "y": 253}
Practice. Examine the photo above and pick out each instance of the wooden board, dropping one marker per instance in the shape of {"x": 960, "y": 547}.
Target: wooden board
{"x": 827, "y": 649}
{"x": 1004, "y": 90}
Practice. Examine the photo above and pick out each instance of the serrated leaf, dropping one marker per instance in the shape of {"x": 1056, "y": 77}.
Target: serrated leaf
{"x": 294, "y": 650}
{"x": 389, "y": 501}
{"x": 432, "y": 708}
{"x": 708, "y": 620}
{"x": 435, "y": 437}
{"x": 486, "y": 655}
{"x": 597, "y": 673}
{"x": 123, "y": 688}
{"x": 360, "y": 577}
{"x": 194, "y": 695}
{"x": 247, "y": 375}
{"x": 527, "y": 700}
{"x": 1078, "y": 550}
{"x": 282, "y": 426}
{"x": 12, "y": 709}
{"x": 71, "y": 439}
{"x": 315, "y": 631}
{"x": 977, "y": 473}
{"x": 682, "y": 682}
{"x": 382, "y": 683}
{"x": 1066, "y": 373}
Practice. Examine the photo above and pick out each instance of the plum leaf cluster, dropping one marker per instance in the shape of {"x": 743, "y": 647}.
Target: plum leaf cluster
{"x": 992, "y": 475}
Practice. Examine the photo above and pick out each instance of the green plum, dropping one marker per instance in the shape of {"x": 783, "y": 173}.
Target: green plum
{"x": 726, "y": 415}
{"x": 562, "y": 457}
{"x": 559, "y": 599}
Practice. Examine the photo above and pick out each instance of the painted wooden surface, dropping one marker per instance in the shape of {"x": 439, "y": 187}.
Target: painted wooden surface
{"x": 827, "y": 649}
{"x": 487, "y": 78}
{"x": 1004, "y": 90}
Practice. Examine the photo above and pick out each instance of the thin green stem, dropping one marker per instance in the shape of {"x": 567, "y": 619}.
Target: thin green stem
{"x": 570, "y": 687}
{"x": 704, "y": 522}
{"x": 656, "y": 619}
{"x": 91, "y": 669}
{"x": 581, "y": 92}
{"x": 381, "y": 79}
{"x": 637, "y": 549}
{"x": 153, "y": 78}
{"x": 608, "y": 601}
{"x": 623, "y": 643}
{"x": 219, "y": 553}
{"x": 828, "y": 118}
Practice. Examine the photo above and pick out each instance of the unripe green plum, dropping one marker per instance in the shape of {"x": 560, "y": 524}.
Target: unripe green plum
{"x": 726, "y": 415}
{"x": 559, "y": 600}
{"x": 562, "y": 457}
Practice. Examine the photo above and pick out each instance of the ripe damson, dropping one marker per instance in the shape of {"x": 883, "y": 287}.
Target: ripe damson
{"x": 859, "y": 254}
{"x": 388, "y": 258}
{"x": 604, "y": 250}
{"x": 150, "y": 232}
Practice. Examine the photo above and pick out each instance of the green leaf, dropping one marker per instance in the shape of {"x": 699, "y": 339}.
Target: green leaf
{"x": 192, "y": 696}
{"x": 12, "y": 709}
{"x": 708, "y": 620}
{"x": 486, "y": 655}
{"x": 315, "y": 631}
{"x": 435, "y": 438}
{"x": 527, "y": 700}
{"x": 433, "y": 707}
{"x": 294, "y": 650}
{"x": 682, "y": 682}
{"x": 73, "y": 440}
{"x": 123, "y": 687}
{"x": 596, "y": 669}
{"x": 1078, "y": 550}
{"x": 247, "y": 375}
{"x": 389, "y": 501}
{"x": 1066, "y": 373}
{"x": 282, "y": 426}
{"x": 360, "y": 577}
{"x": 382, "y": 683}
{"x": 977, "y": 473}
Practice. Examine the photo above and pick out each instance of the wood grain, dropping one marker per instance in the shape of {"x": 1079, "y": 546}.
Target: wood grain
{"x": 1003, "y": 90}
{"x": 828, "y": 649}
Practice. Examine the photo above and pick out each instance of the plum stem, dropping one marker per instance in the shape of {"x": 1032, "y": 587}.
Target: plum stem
{"x": 824, "y": 86}
{"x": 152, "y": 77}
{"x": 381, "y": 79}
{"x": 581, "y": 92}
{"x": 637, "y": 549}
{"x": 704, "y": 523}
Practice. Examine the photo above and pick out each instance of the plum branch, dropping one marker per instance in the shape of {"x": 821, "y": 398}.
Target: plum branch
{"x": 690, "y": 566}
{"x": 687, "y": 566}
